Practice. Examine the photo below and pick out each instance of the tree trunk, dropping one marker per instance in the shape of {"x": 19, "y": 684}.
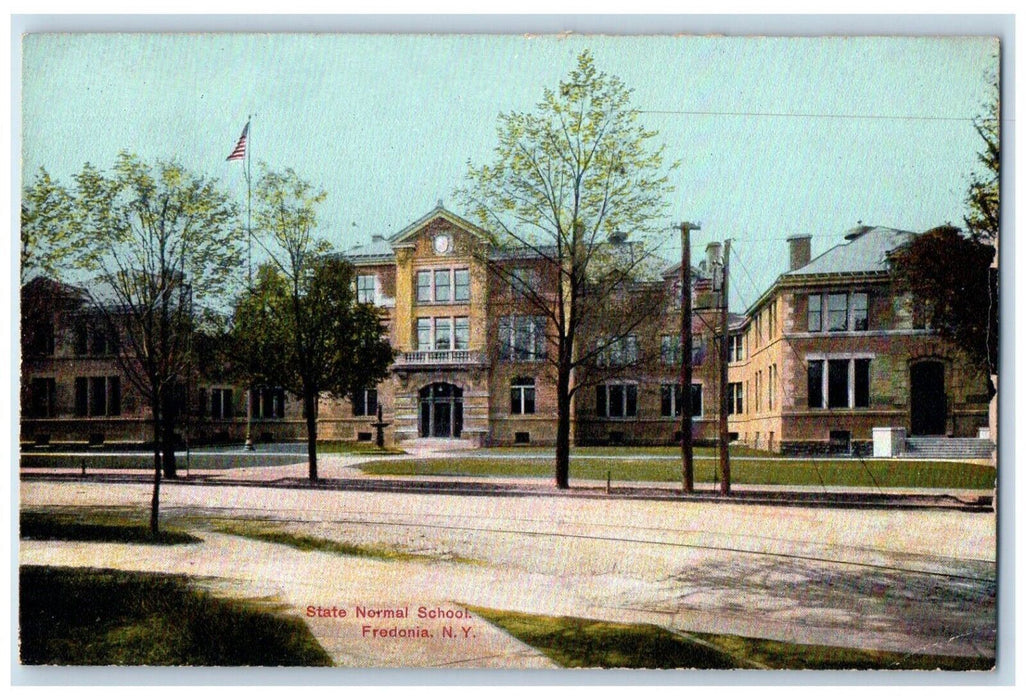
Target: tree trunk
{"x": 310, "y": 403}
{"x": 155, "y": 500}
{"x": 563, "y": 426}
{"x": 168, "y": 442}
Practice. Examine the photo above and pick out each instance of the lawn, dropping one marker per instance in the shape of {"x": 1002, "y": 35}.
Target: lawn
{"x": 100, "y": 617}
{"x": 201, "y": 460}
{"x": 574, "y": 642}
{"x": 813, "y": 473}
{"x": 97, "y": 526}
{"x": 307, "y": 543}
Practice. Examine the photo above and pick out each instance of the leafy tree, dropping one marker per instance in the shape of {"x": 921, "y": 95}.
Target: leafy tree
{"x": 949, "y": 275}
{"x": 984, "y": 197}
{"x": 159, "y": 241}
{"x": 299, "y": 327}
{"x": 48, "y": 242}
{"x": 566, "y": 182}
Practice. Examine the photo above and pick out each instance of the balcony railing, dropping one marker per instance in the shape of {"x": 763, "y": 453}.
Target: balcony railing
{"x": 428, "y": 358}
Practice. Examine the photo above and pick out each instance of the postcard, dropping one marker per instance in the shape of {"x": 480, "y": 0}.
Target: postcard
{"x": 409, "y": 351}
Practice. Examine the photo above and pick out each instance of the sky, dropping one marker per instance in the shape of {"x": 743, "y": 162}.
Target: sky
{"x": 776, "y": 136}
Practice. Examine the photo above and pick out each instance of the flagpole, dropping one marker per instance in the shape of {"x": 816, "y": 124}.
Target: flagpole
{"x": 249, "y": 266}
{"x": 249, "y": 203}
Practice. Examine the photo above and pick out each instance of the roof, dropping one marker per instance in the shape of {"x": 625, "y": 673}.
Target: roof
{"x": 865, "y": 250}
{"x": 439, "y": 211}
{"x": 377, "y": 249}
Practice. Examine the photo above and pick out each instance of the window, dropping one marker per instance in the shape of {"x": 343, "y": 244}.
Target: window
{"x": 41, "y": 338}
{"x": 861, "y": 397}
{"x": 735, "y": 398}
{"x": 101, "y": 344}
{"x": 522, "y": 338}
{"x": 837, "y": 312}
{"x": 442, "y": 285}
{"x": 815, "y": 376}
{"x": 670, "y": 350}
{"x": 365, "y": 402}
{"x": 461, "y": 334}
{"x": 815, "y": 313}
{"x": 424, "y": 285}
{"x": 770, "y": 388}
{"x": 267, "y": 403}
{"x": 838, "y": 383}
{"x": 81, "y": 396}
{"x": 42, "y": 397}
{"x": 844, "y": 312}
{"x": 860, "y": 311}
{"x": 81, "y": 333}
{"x": 620, "y": 352}
{"x": 521, "y": 396}
{"x": 462, "y": 285}
{"x": 616, "y": 400}
{"x": 423, "y": 333}
{"x": 670, "y": 400}
{"x": 735, "y": 348}
{"x": 366, "y": 288}
{"x": 443, "y": 334}
{"x": 524, "y": 280}
{"x": 97, "y": 396}
{"x": 221, "y": 403}
{"x": 758, "y": 391}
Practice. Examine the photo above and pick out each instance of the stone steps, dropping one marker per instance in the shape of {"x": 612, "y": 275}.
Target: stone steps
{"x": 949, "y": 448}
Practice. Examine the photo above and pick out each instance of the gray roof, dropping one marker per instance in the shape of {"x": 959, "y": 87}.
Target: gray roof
{"x": 378, "y": 247}
{"x": 865, "y": 250}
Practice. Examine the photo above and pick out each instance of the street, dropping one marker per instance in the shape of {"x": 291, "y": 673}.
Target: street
{"x": 896, "y": 580}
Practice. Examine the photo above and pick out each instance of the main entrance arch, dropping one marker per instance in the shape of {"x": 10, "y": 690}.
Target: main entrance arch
{"x": 928, "y": 401}
{"x": 441, "y": 410}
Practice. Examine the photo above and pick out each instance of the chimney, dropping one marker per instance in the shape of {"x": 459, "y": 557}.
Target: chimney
{"x": 801, "y": 251}
{"x": 713, "y": 256}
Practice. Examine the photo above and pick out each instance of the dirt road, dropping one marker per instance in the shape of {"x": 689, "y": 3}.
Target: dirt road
{"x": 897, "y": 580}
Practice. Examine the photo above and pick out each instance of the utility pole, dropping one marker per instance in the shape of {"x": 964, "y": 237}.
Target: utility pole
{"x": 724, "y": 398}
{"x": 686, "y": 440}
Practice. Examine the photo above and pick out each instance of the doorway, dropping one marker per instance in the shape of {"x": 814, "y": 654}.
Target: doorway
{"x": 441, "y": 411}
{"x": 928, "y": 402}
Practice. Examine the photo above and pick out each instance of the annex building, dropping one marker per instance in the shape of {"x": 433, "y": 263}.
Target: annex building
{"x": 826, "y": 354}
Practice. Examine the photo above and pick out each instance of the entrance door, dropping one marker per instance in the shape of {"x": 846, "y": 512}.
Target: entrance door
{"x": 929, "y": 405}
{"x": 441, "y": 411}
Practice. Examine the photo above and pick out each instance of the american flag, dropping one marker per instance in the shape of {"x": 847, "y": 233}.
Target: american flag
{"x": 240, "y": 148}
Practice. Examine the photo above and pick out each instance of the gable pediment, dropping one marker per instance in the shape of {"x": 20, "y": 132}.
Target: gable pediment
{"x": 438, "y": 221}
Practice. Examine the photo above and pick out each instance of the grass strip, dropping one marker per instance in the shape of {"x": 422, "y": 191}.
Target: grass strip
{"x": 350, "y": 447}
{"x": 307, "y": 543}
{"x": 575, "y": 642}
{"x": 96, "y": 527}
{"x": 100, "y": 617}
{"x": 872, "y": 473}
